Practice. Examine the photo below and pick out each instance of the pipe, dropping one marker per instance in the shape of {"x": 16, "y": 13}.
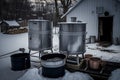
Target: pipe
{"x": 20, "y": 49}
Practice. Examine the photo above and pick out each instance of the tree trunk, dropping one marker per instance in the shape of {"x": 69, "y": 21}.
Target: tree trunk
{"x": 57, "y": 12}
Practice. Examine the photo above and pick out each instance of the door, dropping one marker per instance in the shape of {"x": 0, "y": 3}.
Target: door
{"x": 105, "y": 29}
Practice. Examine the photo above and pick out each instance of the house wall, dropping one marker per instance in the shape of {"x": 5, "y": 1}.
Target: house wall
{"x": 86, "y": 12}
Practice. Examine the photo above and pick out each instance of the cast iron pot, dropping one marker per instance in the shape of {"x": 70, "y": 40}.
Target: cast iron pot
{"x": 53, "y": 65}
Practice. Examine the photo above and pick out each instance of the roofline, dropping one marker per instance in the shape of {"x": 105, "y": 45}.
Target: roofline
{"x": 71, "y": 9}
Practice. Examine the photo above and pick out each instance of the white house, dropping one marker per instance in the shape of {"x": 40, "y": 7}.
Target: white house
{"x": 102, "y": 18}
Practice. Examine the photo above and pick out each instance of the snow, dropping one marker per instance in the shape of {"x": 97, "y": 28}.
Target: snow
{"x": 12, "y": 23}
{"x": 35, "y": 74}
{"x": 107, "y": 56}
{"x": 9, "y": 43}
{"x": 31, "y": 74}
{"x": 115, "y": 75}
{"x": 77, "y": 76}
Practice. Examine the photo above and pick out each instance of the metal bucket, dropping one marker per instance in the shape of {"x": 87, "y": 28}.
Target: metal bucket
{"x": 40, "y": 35}
{"x": 88, "y": 40}
{"x": 72, "y": 37}
{"x": 92, "y": 39}
{"x": 20, "y": 61}
{"x": 53, "y": 65}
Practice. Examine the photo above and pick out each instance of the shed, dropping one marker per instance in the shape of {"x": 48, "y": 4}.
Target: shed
{"x": 102, "y": 18}
{"x": 6, "y": 25}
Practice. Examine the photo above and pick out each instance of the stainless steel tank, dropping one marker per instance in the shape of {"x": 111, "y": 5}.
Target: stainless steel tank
{"x": 72, "y": 37}
{"x": 40, "y": 35}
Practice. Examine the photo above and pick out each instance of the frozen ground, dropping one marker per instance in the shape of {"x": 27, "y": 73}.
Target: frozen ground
{"x": 9, "y": 43}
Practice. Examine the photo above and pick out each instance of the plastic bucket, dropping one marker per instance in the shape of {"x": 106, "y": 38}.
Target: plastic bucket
{"x": 20, "y": 61}
{"x": 53, "y": 65}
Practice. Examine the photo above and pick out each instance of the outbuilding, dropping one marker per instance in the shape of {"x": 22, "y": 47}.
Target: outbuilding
{"x": 102, "y": 18}
{"x": 6, "y": 25}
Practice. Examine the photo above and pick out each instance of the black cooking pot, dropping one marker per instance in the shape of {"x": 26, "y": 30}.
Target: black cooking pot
{"x": 53, "y": 65}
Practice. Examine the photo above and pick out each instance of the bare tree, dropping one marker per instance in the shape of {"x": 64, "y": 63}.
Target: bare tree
{"x": 66, "y": 4}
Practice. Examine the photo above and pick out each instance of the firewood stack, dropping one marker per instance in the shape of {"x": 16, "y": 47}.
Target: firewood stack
{"x": 17, "y": 31}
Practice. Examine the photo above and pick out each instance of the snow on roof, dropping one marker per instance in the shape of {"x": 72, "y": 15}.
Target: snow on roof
{"x": 11, "y": 23}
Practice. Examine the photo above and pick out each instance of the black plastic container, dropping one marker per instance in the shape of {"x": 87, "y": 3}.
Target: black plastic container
{"x": 53, "y": 65}
{"x": 53, "y": 72}
{"x": 20, "y": 61}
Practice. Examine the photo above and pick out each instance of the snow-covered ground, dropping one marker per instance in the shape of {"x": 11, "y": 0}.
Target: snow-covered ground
{"x": 33, "y": 74}
{"x": 104, "y": 55}
{"x": 9, "y": 43}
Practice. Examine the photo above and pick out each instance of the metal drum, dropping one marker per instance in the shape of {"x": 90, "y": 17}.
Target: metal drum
{"x": 40, "y": 35}
{"x": 72, "y": 37}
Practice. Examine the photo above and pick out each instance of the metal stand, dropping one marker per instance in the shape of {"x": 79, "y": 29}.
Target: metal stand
{"x": 77, "y": 57}
{"x": 40, "y": 52}
{"x": 78, "y": 60}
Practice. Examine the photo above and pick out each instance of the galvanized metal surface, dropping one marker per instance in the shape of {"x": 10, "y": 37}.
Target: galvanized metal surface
{"x": 40, "y": 35}
{"x": 72, "y": 37}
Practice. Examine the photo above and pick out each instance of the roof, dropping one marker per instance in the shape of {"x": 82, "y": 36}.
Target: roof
{"x": 72, "y": 8}
{"x": 11, "y": 23}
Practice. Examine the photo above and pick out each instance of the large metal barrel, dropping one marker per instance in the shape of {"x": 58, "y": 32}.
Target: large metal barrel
{"x": 72, "y": 37}
{"x": 40, "y": 37}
